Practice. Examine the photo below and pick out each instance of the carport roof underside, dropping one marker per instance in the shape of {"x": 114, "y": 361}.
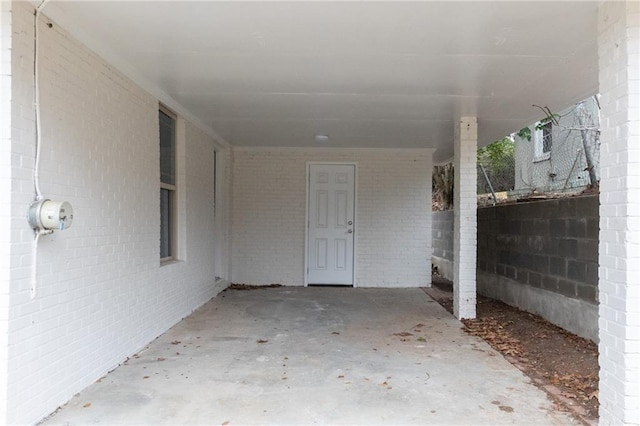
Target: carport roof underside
{"x": 367, "y": 74}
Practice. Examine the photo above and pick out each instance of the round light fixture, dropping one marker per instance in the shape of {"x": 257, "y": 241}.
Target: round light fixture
{"x": 322, "y": 139}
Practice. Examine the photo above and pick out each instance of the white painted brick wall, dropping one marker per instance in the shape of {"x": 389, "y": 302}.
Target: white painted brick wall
{"x": 102, "y": 294}
{"x": 619, "y": 68}
{"x": 465, "y": 224}
{"x": 5, "y": 195}
{"x": 393, "y": 218}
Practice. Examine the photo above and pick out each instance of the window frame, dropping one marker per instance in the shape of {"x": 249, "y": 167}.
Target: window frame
{"x": 543, "y": 141}
{"x": 172, "y": 190}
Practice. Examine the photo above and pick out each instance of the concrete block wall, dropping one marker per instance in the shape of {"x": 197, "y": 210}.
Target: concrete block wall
{"x": 442, "y": 232}
{"x": 393, "y": 226}
{"x": 529, "y": 254}
{"x": 102, "y": 294}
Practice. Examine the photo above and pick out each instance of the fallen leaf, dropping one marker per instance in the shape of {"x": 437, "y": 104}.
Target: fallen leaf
{"x": 176, "y": 342}
{"x": 421, "y": 339}
{"x": 145, "y": 377}
{"x": 225, "y": 423}
{"x": 87, "y": 405}
{"x": 403, "y": 334}
{"x": 341, "y": 376}
{"x": 161, "y": 358}
{"x": 335, "y": 332}
{"x": 262, "y": 341}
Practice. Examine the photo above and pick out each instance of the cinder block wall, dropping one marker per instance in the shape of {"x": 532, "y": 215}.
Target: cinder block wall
{"x": 543, "y": 257}
{"x": 393, "y": 223}
{"x": 442, "y": 232}
{"x": 101, "y": 292}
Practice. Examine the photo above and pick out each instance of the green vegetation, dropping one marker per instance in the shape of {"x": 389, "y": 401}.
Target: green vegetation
{"x": 498, "y": 161}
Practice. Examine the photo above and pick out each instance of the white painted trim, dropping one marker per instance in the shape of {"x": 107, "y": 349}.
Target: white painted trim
{"x": 332, "y": 149}
{"x": 305, "y": 271}
{"x": 223, "y": 211}
{"x": 355, "y": 223}
{"x": 180, "y": 206}
{"x": 538, "y": 145}
{"x": 219, "y": 218}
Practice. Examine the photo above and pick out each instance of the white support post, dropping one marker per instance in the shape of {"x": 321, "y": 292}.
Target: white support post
{"x": 619, "y": 257}
{"x": 7, "y": 207}
{"x": 465, "y": 218}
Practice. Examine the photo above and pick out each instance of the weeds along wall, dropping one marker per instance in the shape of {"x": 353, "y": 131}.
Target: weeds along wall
{"x": 102, "y": 293}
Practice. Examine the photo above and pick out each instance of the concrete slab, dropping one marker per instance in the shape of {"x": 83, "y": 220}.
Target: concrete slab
{"x": 315, "y": 355}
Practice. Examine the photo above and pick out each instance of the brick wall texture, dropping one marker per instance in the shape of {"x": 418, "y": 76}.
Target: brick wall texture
{"x": 393, "y": 224}
{"x": 464, "y": 217}
{"x": 551, "y": 245}
{"x": 101, "y": 291}
{"x": 5, "y": 195}
{"x": 619, "y": 78}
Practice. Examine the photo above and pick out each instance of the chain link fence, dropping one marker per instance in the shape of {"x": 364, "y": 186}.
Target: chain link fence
{"x": 560, "y": 154}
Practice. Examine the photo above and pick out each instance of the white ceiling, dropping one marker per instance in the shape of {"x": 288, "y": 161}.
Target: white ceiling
{"x": 368, "y": 74}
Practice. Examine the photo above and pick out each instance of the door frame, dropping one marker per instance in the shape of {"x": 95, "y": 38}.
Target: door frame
{"x": 305, "y": 271}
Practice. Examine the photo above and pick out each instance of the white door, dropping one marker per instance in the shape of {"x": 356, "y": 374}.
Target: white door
{"x": 331, "y": 223}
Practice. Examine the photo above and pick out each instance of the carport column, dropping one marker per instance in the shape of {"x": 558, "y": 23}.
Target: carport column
{"x": 619, "y": 257}
{"x": 7, "y": 209}
{"x": 464, "y": 217}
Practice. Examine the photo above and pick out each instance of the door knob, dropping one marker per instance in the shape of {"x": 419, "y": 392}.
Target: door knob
{"x": 350, "y": 231}
{"x": 350, "y": 223}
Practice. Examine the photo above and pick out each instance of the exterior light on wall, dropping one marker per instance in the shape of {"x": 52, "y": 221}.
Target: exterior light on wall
{"x": 322, "y": 139}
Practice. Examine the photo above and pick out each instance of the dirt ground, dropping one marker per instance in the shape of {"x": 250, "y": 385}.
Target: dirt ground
{"x": 561, "y": 363}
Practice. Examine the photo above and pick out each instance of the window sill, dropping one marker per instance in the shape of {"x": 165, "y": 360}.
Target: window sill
{"x": 544, "y": 157}
{"x": 167, "y": 262}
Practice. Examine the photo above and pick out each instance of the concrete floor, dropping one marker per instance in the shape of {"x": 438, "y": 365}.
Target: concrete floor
{"x": 315, "y": 355}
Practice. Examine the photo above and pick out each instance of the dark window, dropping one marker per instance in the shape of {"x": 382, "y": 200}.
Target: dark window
{"x": 167, "y": 184}
{"x": 547, "y": 137}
